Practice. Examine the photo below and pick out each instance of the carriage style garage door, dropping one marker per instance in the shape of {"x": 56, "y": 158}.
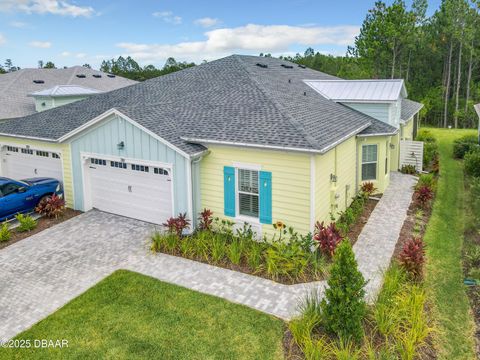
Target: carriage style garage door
{"x": 132, "y": 190}
{"x": 22, "y": 163}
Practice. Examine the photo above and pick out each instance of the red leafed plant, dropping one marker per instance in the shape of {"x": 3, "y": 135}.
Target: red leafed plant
{"x": 423, "y": 195}
{"x": 51, "y": 206}
{"x": 412, "y": 257}
{"x": 205, "y": 219}
{"x": 178, "y": 224}
{"x": 368, "y": 188}
{"x": 328, "y": 237}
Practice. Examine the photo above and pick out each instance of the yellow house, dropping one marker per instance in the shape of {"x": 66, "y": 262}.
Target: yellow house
{"x": 254, "y": 139}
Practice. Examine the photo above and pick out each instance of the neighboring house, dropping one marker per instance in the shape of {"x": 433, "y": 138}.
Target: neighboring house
{"x": 247, "y": 137}
{"x": 17, "y": 88}
{"x": 61, "y": 95}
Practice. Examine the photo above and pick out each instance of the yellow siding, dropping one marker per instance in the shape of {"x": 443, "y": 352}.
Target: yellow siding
{"x": 64, "y": 149}
{"x": 290, "y": 183}
{"x": 395, "y": 153}
{"x": 332, "y": 198}
{"x": 383, "y": 149}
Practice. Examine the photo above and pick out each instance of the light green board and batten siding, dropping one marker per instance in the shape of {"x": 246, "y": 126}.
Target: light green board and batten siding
{"x": 104, "y": 138}
{"x": 46, "y": 103}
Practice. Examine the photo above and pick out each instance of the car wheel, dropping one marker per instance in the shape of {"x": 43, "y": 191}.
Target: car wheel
{"x": 46, "y": 197}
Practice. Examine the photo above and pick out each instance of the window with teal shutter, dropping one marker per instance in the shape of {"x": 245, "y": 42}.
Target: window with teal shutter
{"x": 265, "y": 185}
{"x": 229, "y": 190}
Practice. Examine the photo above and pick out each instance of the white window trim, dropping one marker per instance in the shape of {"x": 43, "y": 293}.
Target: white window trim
{"x": 247, "y": 166}
{"x": 246, "y": 218}
{"x": 369, "y": 162}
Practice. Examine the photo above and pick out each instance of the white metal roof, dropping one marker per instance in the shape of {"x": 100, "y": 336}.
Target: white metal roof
{"x": 477, "y": 108}
{"x": 66, "y": 90}
{"x": 359, "y": 90}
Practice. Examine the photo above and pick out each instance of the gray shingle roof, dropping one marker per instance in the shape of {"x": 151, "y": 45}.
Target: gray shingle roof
{"x": 409, "y": 108}
{"x": 15, "y": 86}
{"x": 229, "y": 100}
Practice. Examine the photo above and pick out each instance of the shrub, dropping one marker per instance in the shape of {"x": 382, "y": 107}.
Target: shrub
{"x": 218, "y": 248}
{"x": 254, "y": 255}
{"x": 408, "y": 169}
{"x": 327, "y": 238}
{"x": 472, "y": 163}
{"x": 51, "y": 206}
{"x": 177, "y": 225}
{"x": 286, "y": 259}
{"x": 412, "y": 257}
{"x": 368, "y": 188}
{"x": 475, "y": 197}
{"x": 344, "y": 306}
{"x": 5, "y": 233}
{"x": 430, "y": 153}
{"x": 464, "y": 145}
{"x": 425, "y": 136}
{"x": 427, "y": 180}
{"x": 234, "y": 252}
{"x": 422, "y": 196}
{"x": 27, "y": 223}
{"x": 205, "y": 220}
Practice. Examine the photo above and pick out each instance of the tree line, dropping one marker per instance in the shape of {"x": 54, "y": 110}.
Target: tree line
{"x": 438, "y": 56}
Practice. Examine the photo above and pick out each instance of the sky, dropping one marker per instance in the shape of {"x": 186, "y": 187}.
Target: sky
{"x": 75, "y": 32}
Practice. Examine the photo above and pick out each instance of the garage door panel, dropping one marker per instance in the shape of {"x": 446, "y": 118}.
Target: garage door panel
{"x": 18, "y": 165}
{"x": 142, "y": 195}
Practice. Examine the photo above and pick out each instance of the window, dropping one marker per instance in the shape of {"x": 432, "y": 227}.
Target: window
{"x": 42, "y": 153}
{"x": 117, "y": 164}
{"x": 140, "y": 168}
{"x": 12, "y": 149}
{"x": 27, "y": 151}
{"x": 98, "y": 161}
{"x": 369, "y": 162}
{"x": 160, "y": 171}
{"x": 55, "y": 156}
{"x": 9, "y": 188}
{"x": 248, "y": 198}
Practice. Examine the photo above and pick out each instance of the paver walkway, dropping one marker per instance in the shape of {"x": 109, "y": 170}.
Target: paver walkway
{"x": 42, "y": 273}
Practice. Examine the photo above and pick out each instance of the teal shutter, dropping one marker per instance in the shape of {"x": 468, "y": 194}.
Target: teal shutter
{"x": 265, "y": 197}
{"x": 229, "y": 190}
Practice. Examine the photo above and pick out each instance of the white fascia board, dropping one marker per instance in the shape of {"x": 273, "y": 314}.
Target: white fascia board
{"x": 28, "y": 137}
{"x": 114, "y": 111}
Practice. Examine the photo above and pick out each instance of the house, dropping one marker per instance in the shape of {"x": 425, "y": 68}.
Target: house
{"x": 24, "y": 92}
{"x": 253, "y": 139}
{"x": 477, "y": 109}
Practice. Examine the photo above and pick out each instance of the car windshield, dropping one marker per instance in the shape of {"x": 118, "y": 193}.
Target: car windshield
{"x": 25, "y": 182}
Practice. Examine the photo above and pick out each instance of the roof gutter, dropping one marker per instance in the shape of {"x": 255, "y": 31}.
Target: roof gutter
{"x": 29, "y": 137}
{"x": 379, "y": 134}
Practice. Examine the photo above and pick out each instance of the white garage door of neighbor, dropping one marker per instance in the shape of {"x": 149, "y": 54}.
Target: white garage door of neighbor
{"x": 22, "y": 163}
{"x": 131, "y": 190}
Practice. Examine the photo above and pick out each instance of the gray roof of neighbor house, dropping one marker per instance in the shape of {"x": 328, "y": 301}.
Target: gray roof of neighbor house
{"x": 15, "y": 86}
{"x": 409, "y": 108}
{"x": 231, "y": 100}
{"x": 360, "y": 90}
{"x": 65, "y": 90}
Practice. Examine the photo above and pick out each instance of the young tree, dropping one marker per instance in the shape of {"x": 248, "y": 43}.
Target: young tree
{"x": 344, "y": 307}
{"x": 49, "y": 65}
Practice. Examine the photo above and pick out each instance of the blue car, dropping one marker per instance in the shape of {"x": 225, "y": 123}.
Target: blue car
{"x": 23, "y": 196}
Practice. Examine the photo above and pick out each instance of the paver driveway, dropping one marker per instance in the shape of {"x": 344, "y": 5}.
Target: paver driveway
{"x": 42, "y": 273}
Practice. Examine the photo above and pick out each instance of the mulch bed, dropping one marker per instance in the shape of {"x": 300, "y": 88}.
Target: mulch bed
{"x": 357, "y": 228}
{"x": 43, "y": 223}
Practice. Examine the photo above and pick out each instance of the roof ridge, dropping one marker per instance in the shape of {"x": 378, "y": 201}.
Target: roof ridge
{"x": 296, "y": 124}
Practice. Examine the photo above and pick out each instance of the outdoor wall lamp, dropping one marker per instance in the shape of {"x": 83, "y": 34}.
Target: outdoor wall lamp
{"x": 121, "y": 145}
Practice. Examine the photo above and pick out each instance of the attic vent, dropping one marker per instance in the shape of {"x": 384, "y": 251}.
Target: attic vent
{"x": 110, "y": 75}
{"x": 287, "y": 66}
{"x": 97, "y": 76}
{"x": 81, "y": 76}
{"x": 262, "y": 65}
{"x": 302, "y": 66}
{"x": 38, "y": 81}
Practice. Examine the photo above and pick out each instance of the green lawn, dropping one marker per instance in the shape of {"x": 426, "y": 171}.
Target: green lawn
{"x": 444, "y": 239}
{"x": 132, "y": 316}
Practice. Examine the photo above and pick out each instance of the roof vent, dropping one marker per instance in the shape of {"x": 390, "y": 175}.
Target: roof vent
{"x": 81, "y": 76}
{"x": 287, "y": 66}
{"x": 262, "y": 65}
{"x": 97, "y": 76}
{"x": 302, "y": 66}
{"x": 110, "y": 75}
{"x": 38, "y": 81}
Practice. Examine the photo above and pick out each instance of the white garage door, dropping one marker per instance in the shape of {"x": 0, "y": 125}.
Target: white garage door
{"x": 131, "y": 190}
{"x": 22, "y": 163}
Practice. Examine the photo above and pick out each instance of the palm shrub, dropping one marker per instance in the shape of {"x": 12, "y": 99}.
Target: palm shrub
{"x": 5, "y": 233}
{"x": 26, "y": 223}
{"x": 472, "y": 163}
{"x": 412, "y": 257}
{"x": 327, "y": 237}
{"x": 344, "y": 306}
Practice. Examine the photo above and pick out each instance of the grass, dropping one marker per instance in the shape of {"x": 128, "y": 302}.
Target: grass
{"x": 444, "y": 240}
{"x": 132, "y": 316}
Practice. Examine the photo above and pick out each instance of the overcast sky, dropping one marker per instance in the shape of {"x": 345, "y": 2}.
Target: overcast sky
{"x": 71, "y": 32}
